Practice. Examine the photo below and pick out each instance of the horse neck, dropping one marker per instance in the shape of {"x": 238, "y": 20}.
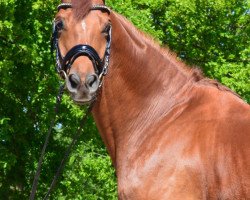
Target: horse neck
{"x": 142, "y": 80}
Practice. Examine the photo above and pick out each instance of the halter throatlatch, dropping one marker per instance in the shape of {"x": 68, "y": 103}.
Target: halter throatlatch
{"x": 63, "y": 64}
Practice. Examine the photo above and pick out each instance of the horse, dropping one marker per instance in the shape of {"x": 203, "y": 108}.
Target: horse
{"x": 171, "y": 133}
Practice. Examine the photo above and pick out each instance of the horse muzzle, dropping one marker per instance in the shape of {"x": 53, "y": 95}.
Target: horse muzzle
{"x": 82, "y": 91}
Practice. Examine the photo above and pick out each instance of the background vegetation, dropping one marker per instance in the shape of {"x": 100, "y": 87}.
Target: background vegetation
{"x": 213, "y": 34}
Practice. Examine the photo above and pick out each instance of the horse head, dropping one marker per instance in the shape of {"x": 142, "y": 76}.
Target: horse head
{"x": 82, "y": 38}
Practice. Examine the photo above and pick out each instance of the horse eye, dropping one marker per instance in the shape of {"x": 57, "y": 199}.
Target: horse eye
{"x": 59, "y": 25}
{"x": 106, "y": 29}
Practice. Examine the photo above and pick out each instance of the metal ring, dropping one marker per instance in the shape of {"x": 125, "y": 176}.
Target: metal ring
{"x": 63, "y": 74}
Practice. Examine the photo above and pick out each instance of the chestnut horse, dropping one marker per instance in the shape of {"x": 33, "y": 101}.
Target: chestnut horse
{"x": 171, "y": 133}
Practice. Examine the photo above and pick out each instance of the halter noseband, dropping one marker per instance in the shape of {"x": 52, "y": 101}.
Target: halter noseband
{"x": 63, "y": 64}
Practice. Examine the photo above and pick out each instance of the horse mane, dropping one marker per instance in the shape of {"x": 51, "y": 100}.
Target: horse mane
{"x": 164, "y": 50}
{"x": 194, "y": 73}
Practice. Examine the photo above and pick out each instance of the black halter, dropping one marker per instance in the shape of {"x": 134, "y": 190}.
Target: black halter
{"x": 63, "y": 64}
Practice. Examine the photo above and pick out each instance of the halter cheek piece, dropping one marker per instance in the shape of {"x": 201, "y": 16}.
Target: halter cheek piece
{"x": 63, "y": 64}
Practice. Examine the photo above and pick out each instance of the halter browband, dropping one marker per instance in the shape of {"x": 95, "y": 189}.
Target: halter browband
{"x": 64, "y": 63}
{"x": 94, "y": 7}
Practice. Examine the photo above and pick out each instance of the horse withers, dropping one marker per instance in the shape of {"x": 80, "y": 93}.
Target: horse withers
{"x": 171, "y": 133}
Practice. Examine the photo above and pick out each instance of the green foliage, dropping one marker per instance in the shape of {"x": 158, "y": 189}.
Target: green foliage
{"x": 88, "y": 175}
{"x": 213, "y": 34}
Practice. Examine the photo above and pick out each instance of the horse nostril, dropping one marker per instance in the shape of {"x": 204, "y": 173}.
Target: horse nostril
{"x": 74, "y": 80}
{"x": 92, "y": 82}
